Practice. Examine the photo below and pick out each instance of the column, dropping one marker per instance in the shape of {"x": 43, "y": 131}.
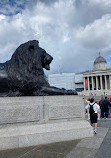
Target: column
{"x": 109, "y": 81}
{"x": 92, "y": 83}
{"x": 96, "y": 82}
{"x": 84, "y": 85}
{"x": 88, "y": 83}
{"x": 101, "y": 83}
{"x": 105, "y": 82}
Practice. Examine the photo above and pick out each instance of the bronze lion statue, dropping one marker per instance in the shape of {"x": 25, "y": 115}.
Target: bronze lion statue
{"x": 23, "y": 74}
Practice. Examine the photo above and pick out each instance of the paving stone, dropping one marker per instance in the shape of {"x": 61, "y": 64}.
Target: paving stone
{"x": 62, "y": 147}
{"x": 92, "y": 143}
{"x": 14, "y": 153}
{"x": 105, "y": 149}
{"x": 42, "y": 154}
{"x": 105, "y": 123}
{"x": 81, "y": 153}
{"x": 33, "y": 154}
{"x": 101, "y": 132}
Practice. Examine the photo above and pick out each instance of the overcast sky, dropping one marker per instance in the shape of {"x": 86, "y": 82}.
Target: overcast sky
{"x": 72, "y": 31}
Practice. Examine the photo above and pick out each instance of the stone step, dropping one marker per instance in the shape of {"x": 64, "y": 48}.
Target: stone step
{"x": 30, "y": 134}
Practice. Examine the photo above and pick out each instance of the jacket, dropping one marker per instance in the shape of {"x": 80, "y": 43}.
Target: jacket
{"x": 105, "y": 104}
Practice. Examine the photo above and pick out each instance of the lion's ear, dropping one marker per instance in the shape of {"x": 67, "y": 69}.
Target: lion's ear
{"x": 31, "y": 47}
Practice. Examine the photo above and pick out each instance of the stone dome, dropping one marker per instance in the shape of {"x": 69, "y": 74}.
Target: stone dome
{"x": 100, "y": 63}
{"x": 100, "y": 59}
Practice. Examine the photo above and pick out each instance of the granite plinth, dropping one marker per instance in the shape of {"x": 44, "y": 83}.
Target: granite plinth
{"x": 29, "y": 121}
{"x": 22, "y": 135}
{"x": 40, "y": 109}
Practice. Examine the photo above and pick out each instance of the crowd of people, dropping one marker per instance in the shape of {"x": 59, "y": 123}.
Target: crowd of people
{"x": 98, "y": 110}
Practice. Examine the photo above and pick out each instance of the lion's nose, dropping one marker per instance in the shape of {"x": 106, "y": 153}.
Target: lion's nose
{"x": 50, "y": 58}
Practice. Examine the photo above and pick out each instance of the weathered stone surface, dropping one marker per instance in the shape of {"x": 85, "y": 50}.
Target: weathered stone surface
{"x": 40, "y": 108}
{"x": 65, "y": 107}
{"x": 41, "y": 120}
{"x": 34, "y": 134}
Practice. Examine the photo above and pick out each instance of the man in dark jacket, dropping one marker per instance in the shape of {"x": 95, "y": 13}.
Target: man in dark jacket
{"x": 105, "y": 107}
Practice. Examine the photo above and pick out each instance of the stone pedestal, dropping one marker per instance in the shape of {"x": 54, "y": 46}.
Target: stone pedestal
{"x": 27, "y": 121}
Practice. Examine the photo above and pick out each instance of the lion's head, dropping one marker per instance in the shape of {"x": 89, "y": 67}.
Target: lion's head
{"x": 25, "y": 69}
{"x": 29, "y": 60}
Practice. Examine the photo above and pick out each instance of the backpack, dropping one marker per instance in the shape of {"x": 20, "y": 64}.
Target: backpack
{"x": 91, "y": 110}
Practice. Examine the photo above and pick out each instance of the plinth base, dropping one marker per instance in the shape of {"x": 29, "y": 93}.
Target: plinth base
{"x": 31, "y": 134}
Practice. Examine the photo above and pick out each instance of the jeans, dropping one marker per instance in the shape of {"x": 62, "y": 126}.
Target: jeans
{"x": 104, "y": 111}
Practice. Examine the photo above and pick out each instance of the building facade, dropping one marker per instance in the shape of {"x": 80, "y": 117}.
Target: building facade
{"x": 98, "y": 81}
{"x": 62, "y": 80}
{"x": 94, "y": 82}
{"x": 79, "y": 82}
{"x": 69, "y": 81}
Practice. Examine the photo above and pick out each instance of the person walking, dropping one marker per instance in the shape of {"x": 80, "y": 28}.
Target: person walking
{"x": 87, "y": 101}
{"x": 105, "y": 106}
{"x": 100, "y": 104}
{"x": 93, "y": 109}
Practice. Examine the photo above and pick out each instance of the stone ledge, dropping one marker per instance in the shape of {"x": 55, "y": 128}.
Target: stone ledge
{"x": 23, "y": 135}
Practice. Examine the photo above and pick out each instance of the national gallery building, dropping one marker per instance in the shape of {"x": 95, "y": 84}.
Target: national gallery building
{"x": 98, "y": 81}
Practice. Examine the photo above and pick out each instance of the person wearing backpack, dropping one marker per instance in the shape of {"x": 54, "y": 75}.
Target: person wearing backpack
{"x": 93, "y": 110}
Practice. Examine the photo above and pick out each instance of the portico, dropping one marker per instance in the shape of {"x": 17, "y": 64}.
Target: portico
{"x": 98, "y": 81}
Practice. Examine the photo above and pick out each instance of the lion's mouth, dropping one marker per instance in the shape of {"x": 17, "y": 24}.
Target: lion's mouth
{"x": 47, "y": 65}
{"x": 46, "y": 62}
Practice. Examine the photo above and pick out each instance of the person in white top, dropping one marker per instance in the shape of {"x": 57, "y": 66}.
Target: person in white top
{"x": 93, "y": 110}
{"x": 87, "y": 101}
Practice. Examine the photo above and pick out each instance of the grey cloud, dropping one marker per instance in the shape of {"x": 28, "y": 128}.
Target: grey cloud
{"x": 9, "y": 8}
{"x": 96, "y": 35}
{"x": 87, "y": 12}
{"x": 68, "y": 31}
{"x": 48, "y": 1}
